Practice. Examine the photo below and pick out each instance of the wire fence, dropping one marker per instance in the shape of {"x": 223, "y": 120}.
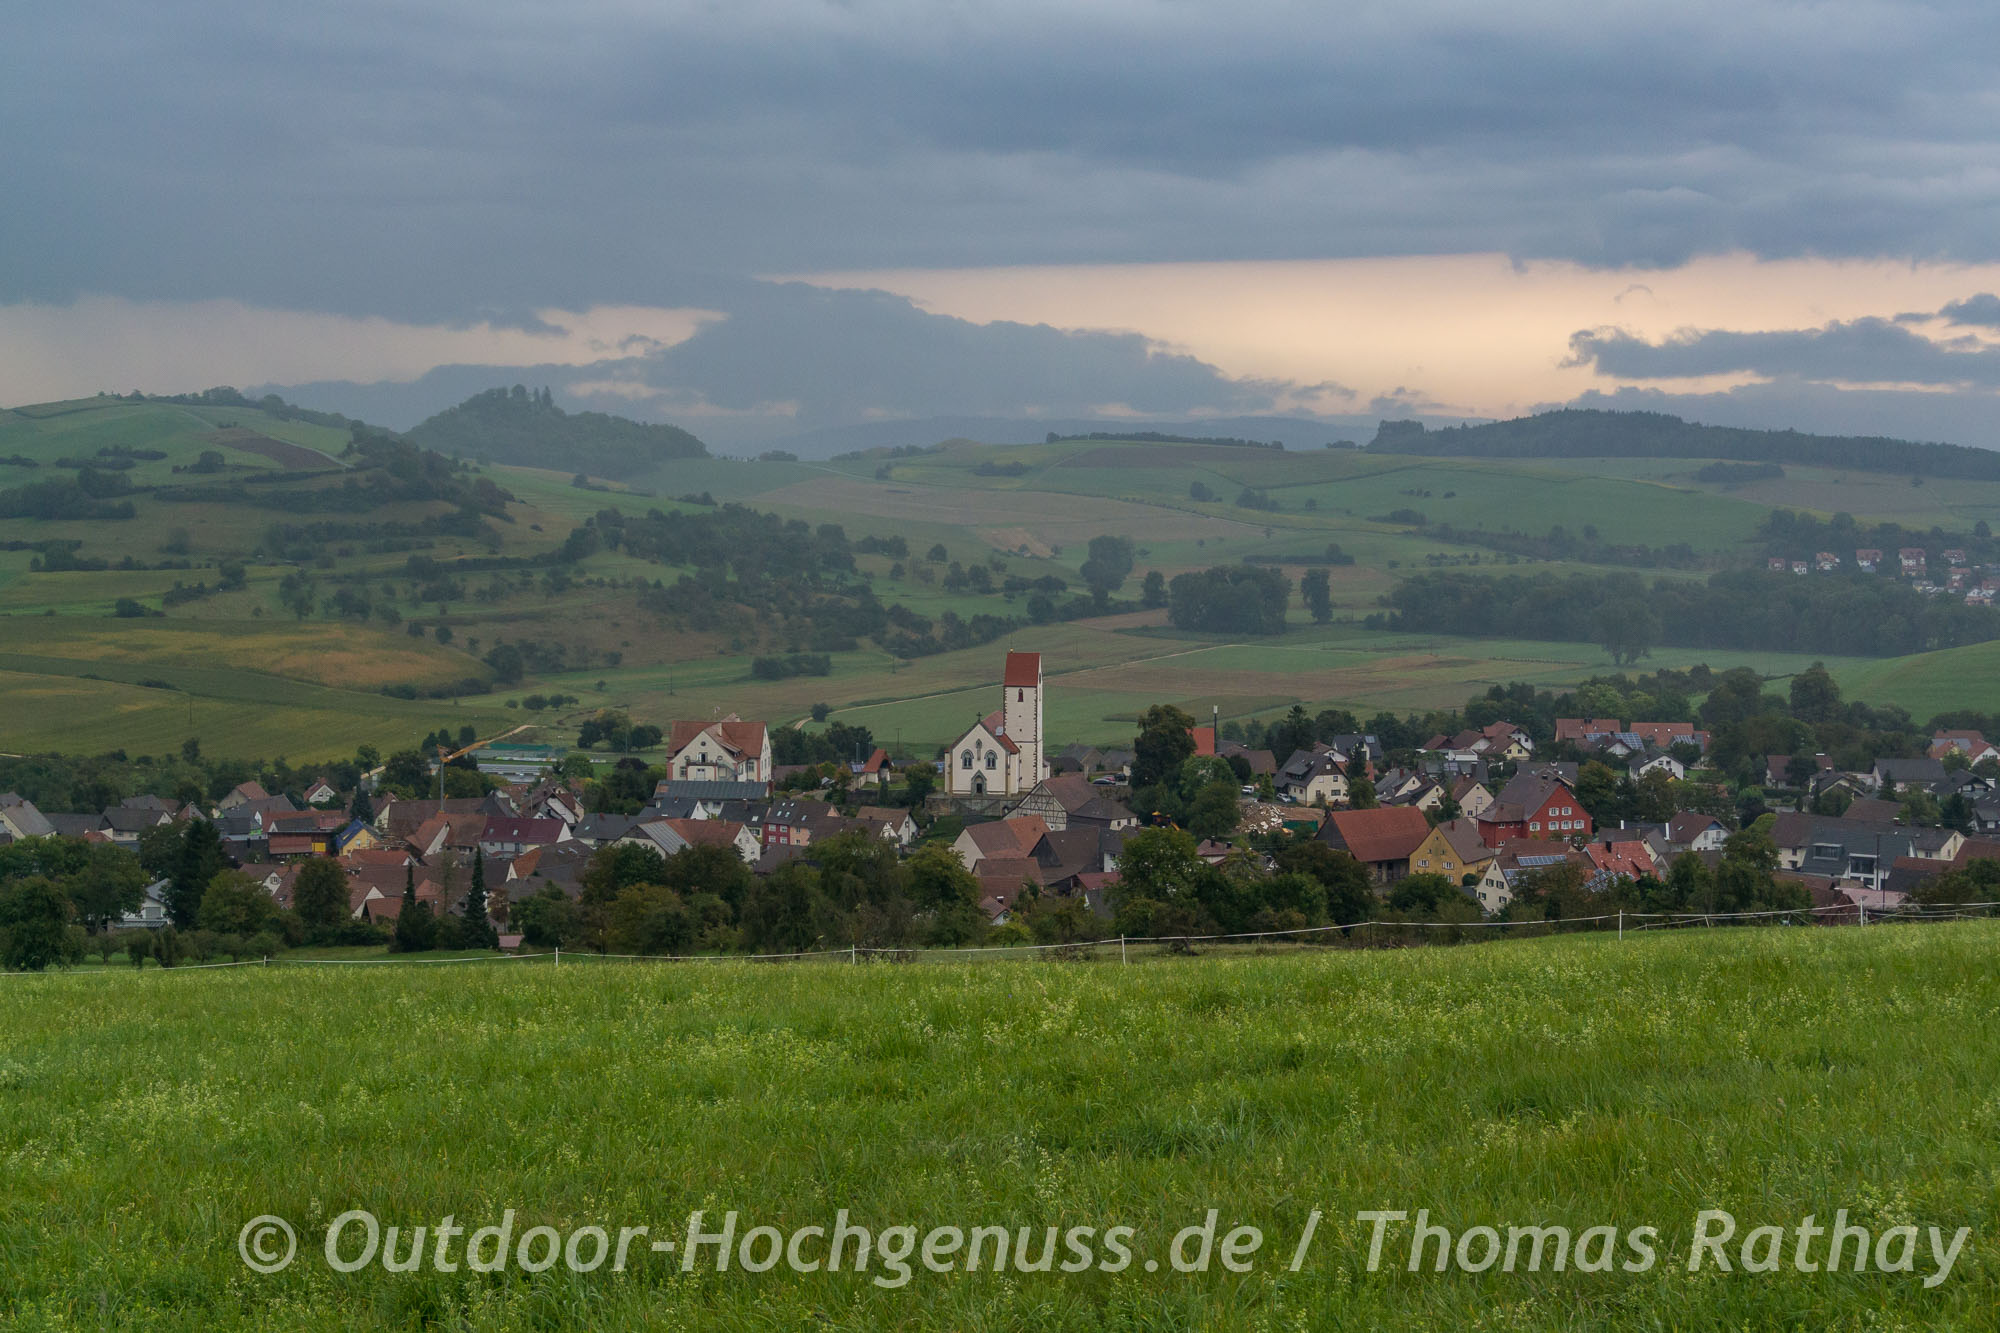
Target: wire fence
{"x": 1371, "y": 934}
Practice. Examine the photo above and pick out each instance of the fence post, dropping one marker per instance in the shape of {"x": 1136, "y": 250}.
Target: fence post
{"x": 1864, "y": 911}
{"x": 558, "y": 962}
{"x": 853, "y": 954}
{"x": 1121, "y": 950}
{"x": 1621, "y": 923}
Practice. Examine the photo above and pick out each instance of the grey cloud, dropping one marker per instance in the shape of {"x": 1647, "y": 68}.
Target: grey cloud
{"x": 1982, "y": 309}
{"x": 440, "y": 160}
{"x": 1859, "y": 351}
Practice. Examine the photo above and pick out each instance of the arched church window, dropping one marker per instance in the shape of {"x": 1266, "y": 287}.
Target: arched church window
{"x": 990, "y": 757}
{"x": 965, "y": 759}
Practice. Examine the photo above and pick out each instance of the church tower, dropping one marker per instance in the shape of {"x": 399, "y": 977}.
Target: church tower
{"x": 1022, "y": 685}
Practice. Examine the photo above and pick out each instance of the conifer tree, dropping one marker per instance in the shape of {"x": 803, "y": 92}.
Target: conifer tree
{"x": 476, "y": 929}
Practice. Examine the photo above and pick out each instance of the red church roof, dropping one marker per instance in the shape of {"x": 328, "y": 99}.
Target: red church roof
{"x": 1024, "y": 670}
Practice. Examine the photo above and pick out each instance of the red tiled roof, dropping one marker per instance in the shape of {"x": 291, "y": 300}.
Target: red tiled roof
{"x": 1024, "y": 671}
{"x": 711, "y": 832}
{"x": 732, "y": 734}
{"x": 995, "y": 722}
{"x": 1389, "y": 833}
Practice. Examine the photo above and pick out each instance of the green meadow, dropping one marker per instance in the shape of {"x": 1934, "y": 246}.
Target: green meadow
{"x": 1569, "y": 1081}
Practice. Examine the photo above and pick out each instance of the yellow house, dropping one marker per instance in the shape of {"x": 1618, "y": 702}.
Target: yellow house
{"x": 1452, "y": 849}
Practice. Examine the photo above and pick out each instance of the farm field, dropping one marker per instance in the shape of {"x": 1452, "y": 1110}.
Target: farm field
{"x": 1570, "y": 1081}
{"x": 1033, "y": 513}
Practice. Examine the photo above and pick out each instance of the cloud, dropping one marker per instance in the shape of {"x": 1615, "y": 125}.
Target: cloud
{"x": 1862, "y": 351}
{"x": 431, "y": 161}
{"x": 73, "y": 350}
{"x": 1982, "y": 310}
{"x": 792, "y": 357}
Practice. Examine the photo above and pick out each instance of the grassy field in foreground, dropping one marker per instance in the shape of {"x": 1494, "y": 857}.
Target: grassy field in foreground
{"x": 1574, "y": 1081}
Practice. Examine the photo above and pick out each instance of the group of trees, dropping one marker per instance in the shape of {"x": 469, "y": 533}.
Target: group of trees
{"x": 853, "y": 889}
{"x": 1229, "y": 599}
{"x": 1753, "y": 610}
{"x": 1585, "y": 433}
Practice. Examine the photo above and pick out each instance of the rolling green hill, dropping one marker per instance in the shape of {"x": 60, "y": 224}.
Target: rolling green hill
{"x": 516, "y": 426}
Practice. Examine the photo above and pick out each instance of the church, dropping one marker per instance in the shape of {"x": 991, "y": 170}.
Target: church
{"x": 1002, "y": 754}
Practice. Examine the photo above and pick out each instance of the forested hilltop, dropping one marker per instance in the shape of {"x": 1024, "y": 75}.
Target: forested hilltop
{"x": 529, "y": 430}
{"x": 1580, "y": 433}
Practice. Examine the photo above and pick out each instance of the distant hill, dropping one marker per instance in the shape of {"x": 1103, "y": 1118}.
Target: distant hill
{"x": 1579, "y": 433}
{"x": 516, "y": 426}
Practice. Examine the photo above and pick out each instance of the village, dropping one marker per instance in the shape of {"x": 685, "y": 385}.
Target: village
{"x": 1477, "y": 811}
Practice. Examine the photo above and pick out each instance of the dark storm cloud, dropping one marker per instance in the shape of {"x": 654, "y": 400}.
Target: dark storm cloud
{"x": 449, "y": 160}
{"x": 1862, "y": 351}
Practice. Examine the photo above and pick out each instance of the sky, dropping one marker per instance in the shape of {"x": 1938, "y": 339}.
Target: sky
{"x": 769, "y": 217}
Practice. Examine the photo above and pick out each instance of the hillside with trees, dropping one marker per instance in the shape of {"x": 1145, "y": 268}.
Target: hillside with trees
{"x": 529, "y": 430}
{"x": 1754, "y": 610}
{"x": 1583, "y": 433}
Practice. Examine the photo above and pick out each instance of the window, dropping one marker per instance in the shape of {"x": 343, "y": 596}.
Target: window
{"x": 965, "y": 759}
{"x": 1020, "y": 696}
{"x": 990, "y": 758}
{"x": 1534, "y": 827}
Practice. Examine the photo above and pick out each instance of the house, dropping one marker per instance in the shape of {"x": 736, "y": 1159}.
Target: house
{"x": 1867, "y": 559}
{"x": 319, "y": 791}
{"x": 706, "y": 798}
{"x": 1071, "y": 799}
{"x": 241, "y": 792}
{"x": 1452, "y": 849}
{"x": 1800, "y": 568}
{"x": 875, "y": 770}
{"x": 124, "y": 824}
{"x": 1826, "y": 562}
{"x": 1911, "y": 559}
{"x": 1533, "y": 804}
{"x": 1974, "y": 746}
{"x": 1002, "y": 879}
{"x": 20, "y": 819}
{"x": 789, "y": 823}
{"x": 1472, "y": 797}
{"x": 1613, "y": 859}
{"x": 89, "y": 827}
{"x": 541, "y": 867}
{"x": 1905, "y": 773}
{"x": 1382, "y": 839}
{"x": 669, "y": 836}
{"x": 731, "y": 750}
{"x": 1862, "y": 853}
{"x": 1065, "y": 856}
{"x": 1656, "y": 762}
{"x": 600, "y": 830}
{"x": 1314, "y": 777}
{"x": 896, "y": 824}
{"x": 1775, "y": 563}
{"x": 1263, "y": 764}
{"x": 1001, "y": 753}
{"x": 151, "y": 913}
{"x": 1691, "y": 831}
{"x": 1666, "y": 735}
{"x": 1953, "y": 556}
{"x": 503, "y": 839}
{"x": 1579, "y": 729}
{"x": 1003, "y": 838}
{"x": 1517, "y": 857}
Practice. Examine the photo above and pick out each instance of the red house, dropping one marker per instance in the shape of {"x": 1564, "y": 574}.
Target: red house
{"x": 1533, "y": 805}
